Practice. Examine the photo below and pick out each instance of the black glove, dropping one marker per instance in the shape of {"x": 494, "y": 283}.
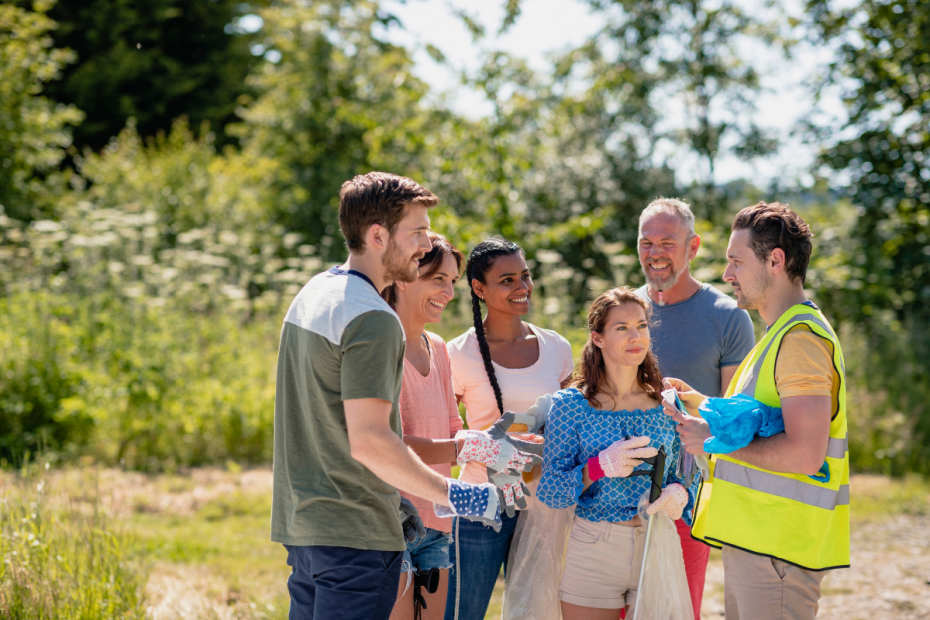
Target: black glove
{"x": 411, "y": 522}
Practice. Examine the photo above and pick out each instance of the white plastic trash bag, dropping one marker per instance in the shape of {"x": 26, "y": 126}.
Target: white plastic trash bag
{"x": 537, "y": 555}
{"x": 664, "y": 594}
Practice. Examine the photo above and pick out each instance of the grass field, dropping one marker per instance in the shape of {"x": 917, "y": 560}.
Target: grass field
{"x": 200, "y": 539}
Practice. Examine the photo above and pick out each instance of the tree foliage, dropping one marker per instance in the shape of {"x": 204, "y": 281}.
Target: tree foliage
{"x": 883, "y": 165}
{"x": 339, "y": 102}
{"x": 689, "y": 59}
{"x": 34, "y": 131}
{"x": 152, "y": 61}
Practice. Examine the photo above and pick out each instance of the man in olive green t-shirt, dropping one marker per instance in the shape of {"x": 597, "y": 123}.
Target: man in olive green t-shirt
{"x": 338, "y": 454}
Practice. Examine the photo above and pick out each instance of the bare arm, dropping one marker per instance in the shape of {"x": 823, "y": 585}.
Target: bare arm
{"x": 434, "y": 451}
{"x": 726, "y": 376}
{"x": 378, "y": 448}
{"x": 802, "y": 448}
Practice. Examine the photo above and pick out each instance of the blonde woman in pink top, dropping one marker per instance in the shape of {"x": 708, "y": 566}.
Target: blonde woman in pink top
{"x": 429, "y": 412}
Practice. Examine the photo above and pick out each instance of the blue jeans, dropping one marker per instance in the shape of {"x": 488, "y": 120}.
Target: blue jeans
{"x": 431, "y": 551}
{"x": 340, "y": 582}
{"x": 478, "y": 552}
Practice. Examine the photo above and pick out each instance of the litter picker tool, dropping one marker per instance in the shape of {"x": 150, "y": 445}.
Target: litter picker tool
{"x": 655, "y": 489}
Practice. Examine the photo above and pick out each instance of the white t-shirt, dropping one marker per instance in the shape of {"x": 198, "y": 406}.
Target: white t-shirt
{"x": 520, "y": 387}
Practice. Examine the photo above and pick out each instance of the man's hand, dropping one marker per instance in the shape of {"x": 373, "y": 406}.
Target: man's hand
{"x": 693, "y": 431}
{"x": 411, "y": 522}
{"x": 691, "y": 398}
{"x": 475, "y": 502}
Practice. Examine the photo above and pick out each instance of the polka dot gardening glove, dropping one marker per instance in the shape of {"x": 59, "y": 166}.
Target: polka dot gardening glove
{"x": 511, "y": 491}
{"x": 672, "y": 501}
{"x": 496, "y": 449}
{"x": 475, "y": 502}
{"x": 620, "y": 458}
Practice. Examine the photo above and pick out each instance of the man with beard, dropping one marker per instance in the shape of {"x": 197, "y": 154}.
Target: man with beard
{"x": 779, "y": 507}
{"x": 338, "y": 454}
{"x": 699, "y": 334}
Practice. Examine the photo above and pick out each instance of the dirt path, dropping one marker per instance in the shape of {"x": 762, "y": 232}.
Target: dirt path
{"x": 889, "y": 576}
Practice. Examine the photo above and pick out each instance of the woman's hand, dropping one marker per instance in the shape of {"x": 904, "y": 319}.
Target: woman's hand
{"x": 672, "y": 501}
{"x": 531, "y": 437}
{"x": 691, "y": 398}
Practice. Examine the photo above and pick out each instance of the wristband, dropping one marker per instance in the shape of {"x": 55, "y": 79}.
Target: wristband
{"x": 595, "y": 471}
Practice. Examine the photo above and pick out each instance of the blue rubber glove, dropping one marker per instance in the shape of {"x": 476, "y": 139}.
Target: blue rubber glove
{"x": 475, "y": 502}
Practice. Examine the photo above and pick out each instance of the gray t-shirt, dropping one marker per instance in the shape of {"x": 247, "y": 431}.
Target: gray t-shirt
{"x": 340, "y": 341}
{"x": 694, "y": 338}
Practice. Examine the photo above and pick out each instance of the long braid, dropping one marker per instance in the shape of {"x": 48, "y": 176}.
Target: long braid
{"x": 479, "y": 261}
{"x": 486, "y": 351}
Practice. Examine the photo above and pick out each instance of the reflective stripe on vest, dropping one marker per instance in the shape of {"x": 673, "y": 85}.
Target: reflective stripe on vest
{"x": 791, "y": 517}
{"x": 788, "y": 488}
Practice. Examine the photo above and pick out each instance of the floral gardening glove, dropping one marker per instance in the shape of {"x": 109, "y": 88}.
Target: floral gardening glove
{"x": 672, "y": 500}
{"x": 511, "y": 491}
{"x": 498, "y": 450}
{"x": 536, "y": 416}
{"x": 475, "y": 502}
{"x": 620, "y": 458}
{"x": 410, "y": 520}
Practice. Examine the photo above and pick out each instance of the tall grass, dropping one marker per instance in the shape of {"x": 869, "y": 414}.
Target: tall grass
{"x": 64, "y": 559}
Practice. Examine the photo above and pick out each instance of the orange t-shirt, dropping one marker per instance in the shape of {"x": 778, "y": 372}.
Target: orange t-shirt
{"x": 804, "y": 366}
{"x": 428, "y": 409}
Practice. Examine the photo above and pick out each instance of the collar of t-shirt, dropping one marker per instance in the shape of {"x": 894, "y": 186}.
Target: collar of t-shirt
{"x": 351, "y": 272}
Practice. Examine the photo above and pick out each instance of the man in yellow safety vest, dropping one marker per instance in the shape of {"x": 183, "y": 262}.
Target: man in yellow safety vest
{"x": 778, "y": 507}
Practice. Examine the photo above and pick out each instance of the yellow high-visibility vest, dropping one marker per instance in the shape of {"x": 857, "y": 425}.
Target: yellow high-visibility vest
{"x": 790, "y": 517}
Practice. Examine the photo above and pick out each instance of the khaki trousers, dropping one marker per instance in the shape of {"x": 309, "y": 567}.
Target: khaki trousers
{"x": 762, "y": 588}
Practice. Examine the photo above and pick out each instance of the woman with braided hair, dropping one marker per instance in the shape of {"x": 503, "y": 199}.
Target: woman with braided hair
{"x": 501, "y": 364}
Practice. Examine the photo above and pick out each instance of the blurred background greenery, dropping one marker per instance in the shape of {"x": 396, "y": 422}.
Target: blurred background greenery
{"x": 169, "y": 180}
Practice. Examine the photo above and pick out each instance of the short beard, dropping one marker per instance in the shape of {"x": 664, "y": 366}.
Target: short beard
{"x": 755, "y": 299}
{"x": 662, "y": 285}
{"x": 398, "y": 268}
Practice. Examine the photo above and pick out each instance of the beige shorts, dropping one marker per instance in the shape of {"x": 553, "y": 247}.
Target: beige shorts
{"x": 602, "y": 564}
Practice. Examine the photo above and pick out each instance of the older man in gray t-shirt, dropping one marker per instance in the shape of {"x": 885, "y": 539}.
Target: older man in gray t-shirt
{"x": 699, "y": 336}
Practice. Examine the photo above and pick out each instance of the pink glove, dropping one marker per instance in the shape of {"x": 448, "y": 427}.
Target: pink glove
{"x": 619, "y": 459}
{"x": 672, "y": 500}
{"x": 499, "y": 455}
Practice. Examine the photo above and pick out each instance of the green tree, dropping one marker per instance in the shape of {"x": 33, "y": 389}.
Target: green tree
{"x": 34, "y": 131}
{"x": 153, "y": 61}
{"x": 883, "y": 166}
{"x": 340, "y": 101}
{"x": 689, "y": 58}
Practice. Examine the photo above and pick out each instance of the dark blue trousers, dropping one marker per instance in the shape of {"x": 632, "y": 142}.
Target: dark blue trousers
{"x": 341, "y": 582}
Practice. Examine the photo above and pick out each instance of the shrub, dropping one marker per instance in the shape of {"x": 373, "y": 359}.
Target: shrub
{"x": 64, "y": 562}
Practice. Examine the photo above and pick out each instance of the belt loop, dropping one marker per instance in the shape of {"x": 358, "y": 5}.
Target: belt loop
{"x": 607, "y": 531}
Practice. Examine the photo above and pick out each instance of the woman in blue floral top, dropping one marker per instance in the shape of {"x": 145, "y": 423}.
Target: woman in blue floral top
{"x": 596, "y": 434}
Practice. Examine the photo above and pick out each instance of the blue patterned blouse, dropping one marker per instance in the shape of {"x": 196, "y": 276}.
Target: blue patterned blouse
{"x": 575, "y": 432}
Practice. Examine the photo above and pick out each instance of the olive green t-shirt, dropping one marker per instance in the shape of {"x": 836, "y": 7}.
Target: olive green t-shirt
{"x": 340, "y": 341}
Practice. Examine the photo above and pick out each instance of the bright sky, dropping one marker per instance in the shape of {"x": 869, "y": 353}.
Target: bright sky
{"x": 547, "y": 26}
